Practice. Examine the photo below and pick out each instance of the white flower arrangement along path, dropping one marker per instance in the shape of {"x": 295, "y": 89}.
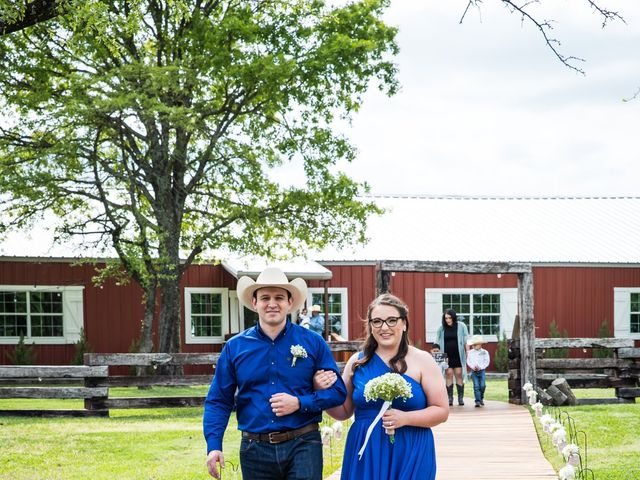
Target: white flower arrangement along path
{"x": 497, "y": 442}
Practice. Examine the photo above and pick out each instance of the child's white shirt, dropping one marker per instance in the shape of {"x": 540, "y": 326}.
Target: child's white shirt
{"x": 478, "y": 359}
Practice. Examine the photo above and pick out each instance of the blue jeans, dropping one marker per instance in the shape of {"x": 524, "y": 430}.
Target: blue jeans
{"x": 479, "y": 384}
{"x": 296, "y": 459}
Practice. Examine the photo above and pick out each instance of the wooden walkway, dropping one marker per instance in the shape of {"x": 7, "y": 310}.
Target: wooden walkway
{"x": 495, "y": 442}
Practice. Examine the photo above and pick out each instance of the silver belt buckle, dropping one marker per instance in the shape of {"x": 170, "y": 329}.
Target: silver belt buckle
{"x": 271, "y": 439}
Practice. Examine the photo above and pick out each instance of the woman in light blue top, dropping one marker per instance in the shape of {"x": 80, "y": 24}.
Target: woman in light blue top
{"x": 452, "y": 336}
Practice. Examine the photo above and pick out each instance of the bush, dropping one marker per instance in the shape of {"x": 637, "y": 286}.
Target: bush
{"x": 554, "y": 332}
{"x": 603, "y": 332}
{"x": 501, "y": 359}
{"x": 82, "y": 346}
{"x": 23, "y": 354}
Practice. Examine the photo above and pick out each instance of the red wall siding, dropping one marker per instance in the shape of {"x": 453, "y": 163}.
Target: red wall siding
{"x": 579, "y": 299}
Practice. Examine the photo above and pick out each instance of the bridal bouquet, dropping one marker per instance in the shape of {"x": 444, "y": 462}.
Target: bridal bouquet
{"x": 386, "y": 387}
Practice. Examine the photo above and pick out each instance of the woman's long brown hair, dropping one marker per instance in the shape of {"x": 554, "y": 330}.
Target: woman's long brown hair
{"x": 398, "y": 363}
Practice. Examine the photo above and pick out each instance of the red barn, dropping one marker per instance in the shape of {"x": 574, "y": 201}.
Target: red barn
{"x": 584, "y": 252}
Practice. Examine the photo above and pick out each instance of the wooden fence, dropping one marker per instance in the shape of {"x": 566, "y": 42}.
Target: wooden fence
{"x": 91, "y": 381}
{"x": 621, "y": 371}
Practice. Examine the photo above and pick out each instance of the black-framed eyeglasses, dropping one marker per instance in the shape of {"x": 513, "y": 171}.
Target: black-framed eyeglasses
{"x": 390, "y": 321}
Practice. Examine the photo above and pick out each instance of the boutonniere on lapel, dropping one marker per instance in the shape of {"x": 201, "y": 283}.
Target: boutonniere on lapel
{"x": 297, "y": 351}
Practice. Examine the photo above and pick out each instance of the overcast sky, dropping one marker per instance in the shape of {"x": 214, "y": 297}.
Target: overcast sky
{"x": 485, "y": 108}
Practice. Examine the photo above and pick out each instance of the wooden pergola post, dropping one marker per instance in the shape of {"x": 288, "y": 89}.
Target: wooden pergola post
{"x": 383, "y": 278}
{"x": 527, "y": 332}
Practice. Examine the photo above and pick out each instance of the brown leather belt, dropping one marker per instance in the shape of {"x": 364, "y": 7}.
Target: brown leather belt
{"x": 279, "y": 437}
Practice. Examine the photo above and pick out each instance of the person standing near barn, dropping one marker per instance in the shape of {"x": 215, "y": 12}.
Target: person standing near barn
{"x": 452, "y": 334}
{"x": 478, "y": 361}
{"x": 284, "y": 375}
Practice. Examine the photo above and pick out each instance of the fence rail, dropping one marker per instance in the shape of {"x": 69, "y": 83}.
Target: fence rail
{"x": 92, "y": 381}
{"x": 621, "y": 371}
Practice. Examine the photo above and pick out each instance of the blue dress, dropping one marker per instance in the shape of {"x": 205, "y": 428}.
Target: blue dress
{"x": 411, "y": 457}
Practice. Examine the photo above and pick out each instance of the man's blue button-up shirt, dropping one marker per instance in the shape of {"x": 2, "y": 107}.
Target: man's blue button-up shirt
{"x": 258, "y": 367}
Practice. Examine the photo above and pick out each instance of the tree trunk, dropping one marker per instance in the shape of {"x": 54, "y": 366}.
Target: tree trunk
{"x": 146, "y": 330}
{"x": 169, "y": 324}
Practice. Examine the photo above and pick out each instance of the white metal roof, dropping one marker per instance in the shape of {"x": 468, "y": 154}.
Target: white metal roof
{"x": 539, "y": 230}
{"x": 555, "y": 230}
{"x": 252, "y": 266}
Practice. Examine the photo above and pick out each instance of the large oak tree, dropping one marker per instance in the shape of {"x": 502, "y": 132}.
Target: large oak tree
{"x": 154, "y": 127}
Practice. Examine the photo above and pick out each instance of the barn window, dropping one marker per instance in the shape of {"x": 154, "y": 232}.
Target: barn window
{"x": 626, "y": 312}
{"x": 486, "y": 312}
{"x": 338, "y": 308}
{"x": 479, "y": 311}
{"x": 206, "y": 314}
{"x": 42, "y": 315}
{"x": 635, "y": 313}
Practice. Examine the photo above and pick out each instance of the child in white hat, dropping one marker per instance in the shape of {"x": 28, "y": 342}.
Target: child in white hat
{"x": 478, "y": 361}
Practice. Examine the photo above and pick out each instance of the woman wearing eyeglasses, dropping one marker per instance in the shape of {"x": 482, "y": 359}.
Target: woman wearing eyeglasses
{"x": 386, "y": 349}
{"x": 452, "y": 334}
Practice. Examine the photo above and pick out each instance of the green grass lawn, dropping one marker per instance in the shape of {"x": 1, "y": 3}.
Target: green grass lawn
{"x": 146, "y": 444}
{"x": 136, "y": 444}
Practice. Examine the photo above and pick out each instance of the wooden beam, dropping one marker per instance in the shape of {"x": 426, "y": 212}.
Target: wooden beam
{"x": 383, "y": 279}
{"x": 151, "y": 380}
{"x": 54, "y": 413}
{"x": 453, "y": 267}
{"x": 629, "y": 353}
{"x": 150, "y": 359}
{"x": 151, "y": 402}
{"x": 603, "y": 401}
{"x": 583, "y": 342}
{"x": 52, "y": 392}
{"x": 582, "y": 363}
{"x": 527, "y": 331}
{"x": 345, "y": 346}
{"x": 52, "y": 371}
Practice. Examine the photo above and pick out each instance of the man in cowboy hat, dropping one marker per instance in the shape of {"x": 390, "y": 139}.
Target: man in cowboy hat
{"x": 272, "y": 367}
{"x": 478, "y": 361}
{"x": 316, "y": 322}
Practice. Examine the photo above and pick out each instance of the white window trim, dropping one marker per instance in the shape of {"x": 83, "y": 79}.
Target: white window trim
{"x": 433, "y": 309}
{"x": 191, "y": 339}
{"x": 622, "y": 312}
{"x": 72, "y": 314}
{"x": 344, "y": 292}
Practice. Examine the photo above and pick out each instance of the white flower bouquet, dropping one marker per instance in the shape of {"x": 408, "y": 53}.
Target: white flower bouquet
{"x": 337, "y": 430}
{"x": 567, "y": 473}
{"x": 537, "y": 407}
{"x": 571, "y": 454}
{"x": 326, "y": 433}
{"x": 297, "y": 351}
{"x": 386, "y": 387}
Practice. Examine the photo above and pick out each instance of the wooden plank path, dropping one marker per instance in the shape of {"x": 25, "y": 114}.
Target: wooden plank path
{"x": 495, "y": 442}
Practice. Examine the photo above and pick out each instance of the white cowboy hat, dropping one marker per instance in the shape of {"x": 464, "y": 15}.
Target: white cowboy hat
{"x": 316, "y": 308}
{"x": 476, "y": 339}
{"x": 272, "y": 277}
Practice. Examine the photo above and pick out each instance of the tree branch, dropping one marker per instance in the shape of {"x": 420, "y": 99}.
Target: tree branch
{"x": 36, "y": 11}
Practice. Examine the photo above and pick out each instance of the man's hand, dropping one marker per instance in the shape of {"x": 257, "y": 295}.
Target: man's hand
{"x": 284, "y": 404}
{"x": 323, "y": 379}
{"x": 215, "y": 457}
